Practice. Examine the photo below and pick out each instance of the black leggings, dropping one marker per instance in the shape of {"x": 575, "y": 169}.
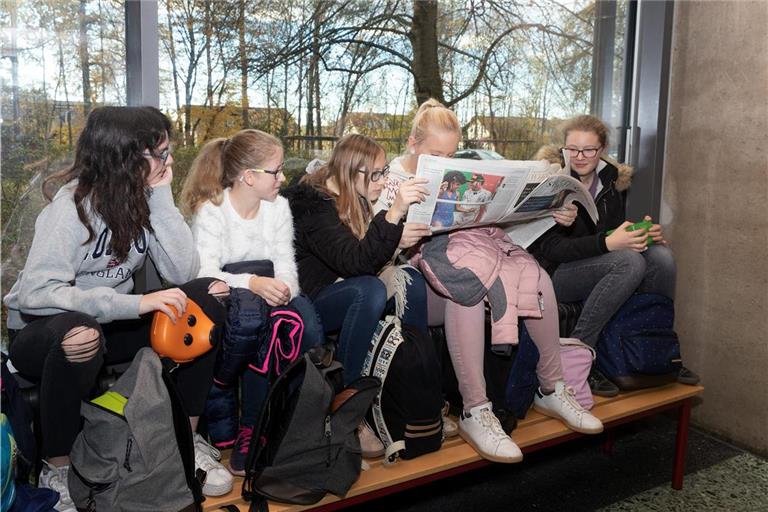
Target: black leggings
{"x": 36, "y": 352}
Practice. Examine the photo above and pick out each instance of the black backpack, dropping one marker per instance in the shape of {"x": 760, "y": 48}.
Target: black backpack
{"x": 20, "y": 417}
{"x": 406, "y": 414}
{"x": 305, "y": 442}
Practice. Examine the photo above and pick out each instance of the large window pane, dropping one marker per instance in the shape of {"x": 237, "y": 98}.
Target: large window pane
{"x": 310, "y": 72}
{"x": 60, "y": 59}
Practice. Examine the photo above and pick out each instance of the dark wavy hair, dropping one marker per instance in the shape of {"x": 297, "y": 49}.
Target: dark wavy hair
{"x": 112, "y": 171}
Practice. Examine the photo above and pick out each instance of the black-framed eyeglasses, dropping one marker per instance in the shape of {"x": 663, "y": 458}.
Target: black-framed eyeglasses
{"x": 162, "y": 155}
{"x": 274, "y": 172}
{"x": 376, "y": 175}
{"x": 587, "y": 152}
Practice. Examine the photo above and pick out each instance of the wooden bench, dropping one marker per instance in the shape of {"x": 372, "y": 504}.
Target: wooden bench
{"x": 533, "y": 433}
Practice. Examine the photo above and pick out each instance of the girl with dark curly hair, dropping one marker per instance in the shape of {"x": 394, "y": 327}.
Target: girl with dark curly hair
{"x": 71, "y": 309}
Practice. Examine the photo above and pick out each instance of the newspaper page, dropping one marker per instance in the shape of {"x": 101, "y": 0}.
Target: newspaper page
{"x": 533, "y": 215}
{"x": 518, "y": 195}
{"x": 465, "y": 193}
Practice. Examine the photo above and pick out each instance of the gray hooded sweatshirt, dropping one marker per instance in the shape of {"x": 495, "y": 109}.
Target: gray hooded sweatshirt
{"x": 63, "y": 274}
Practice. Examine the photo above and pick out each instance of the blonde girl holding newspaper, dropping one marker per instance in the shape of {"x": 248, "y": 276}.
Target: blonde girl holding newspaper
{"x": 436, "y": 131}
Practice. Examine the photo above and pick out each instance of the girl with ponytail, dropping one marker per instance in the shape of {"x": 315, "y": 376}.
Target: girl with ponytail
{"x": 232, "y": 193}
{"x": 436, "y": 131}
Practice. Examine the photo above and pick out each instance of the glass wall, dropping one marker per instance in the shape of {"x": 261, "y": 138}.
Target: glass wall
{"x": 310, "y": 72}
{"x": 59, "y": 60}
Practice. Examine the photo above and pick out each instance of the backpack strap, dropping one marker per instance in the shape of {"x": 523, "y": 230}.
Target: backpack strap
{"x": 184, "y": 436}
{"x": 387, "y": 338}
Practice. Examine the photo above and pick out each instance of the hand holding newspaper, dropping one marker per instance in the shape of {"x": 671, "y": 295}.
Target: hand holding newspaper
{"x": 517, "y": 195}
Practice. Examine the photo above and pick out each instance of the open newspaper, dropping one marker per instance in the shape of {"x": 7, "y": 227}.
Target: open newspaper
{"x": 517, "y": 195}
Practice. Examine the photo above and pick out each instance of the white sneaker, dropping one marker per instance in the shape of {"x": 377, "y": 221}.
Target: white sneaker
{"x": 55, "y": 478}
{"x": 218, "y": 480}
{"x": 450, "y": 427}
{"x": 562, "y": 404}
{"x": 481, "y": 428}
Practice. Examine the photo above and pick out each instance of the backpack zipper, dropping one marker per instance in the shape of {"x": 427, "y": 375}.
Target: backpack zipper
{"x": 127, "y": 461}
{"x": 328, "y": 440}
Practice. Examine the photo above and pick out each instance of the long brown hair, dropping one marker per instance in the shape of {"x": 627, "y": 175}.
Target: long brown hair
{"x": 350, "y": 154}
{"x": 219, "y": 164}
{"x": 111, "y": 171}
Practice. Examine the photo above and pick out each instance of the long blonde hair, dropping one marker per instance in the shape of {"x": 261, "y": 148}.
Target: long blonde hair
{"x": 350, "y": 154}
{"x": 433, "y": 116}
{"x": 219, "y": 164}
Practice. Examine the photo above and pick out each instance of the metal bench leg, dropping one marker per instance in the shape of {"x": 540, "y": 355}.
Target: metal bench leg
{"x": 681, "y": 444}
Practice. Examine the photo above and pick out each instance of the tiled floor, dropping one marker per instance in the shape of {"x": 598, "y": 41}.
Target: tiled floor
{"x": 578, "y": 476}
{"x": 736, "y": 484}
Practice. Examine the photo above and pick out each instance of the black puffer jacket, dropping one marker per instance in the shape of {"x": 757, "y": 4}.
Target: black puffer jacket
{"x": 326, "y": 249}
{"x": 583, "y": 239}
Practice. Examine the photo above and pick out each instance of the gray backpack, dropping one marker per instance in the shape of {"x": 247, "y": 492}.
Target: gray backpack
{"x": 135, "y": 451}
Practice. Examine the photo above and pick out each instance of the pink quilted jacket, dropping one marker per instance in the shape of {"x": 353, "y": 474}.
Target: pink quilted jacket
{"x": 472, "y": 264}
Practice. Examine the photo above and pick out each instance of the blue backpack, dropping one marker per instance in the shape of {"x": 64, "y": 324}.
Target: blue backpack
{"x": 638, "y": 347}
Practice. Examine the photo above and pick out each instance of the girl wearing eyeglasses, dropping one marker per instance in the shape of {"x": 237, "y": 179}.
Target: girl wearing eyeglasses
{"x": 436, "y": 131}
{"x": 589, "y": 264}
{"x": 232, "y": 192}
{"x": 341, "y": 247}
{"x": 72, "y": 308}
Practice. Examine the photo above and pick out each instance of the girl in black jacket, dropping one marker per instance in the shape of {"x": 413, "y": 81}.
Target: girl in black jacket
{"x": 589, "y": 264}
{"x": 341, "y": 247}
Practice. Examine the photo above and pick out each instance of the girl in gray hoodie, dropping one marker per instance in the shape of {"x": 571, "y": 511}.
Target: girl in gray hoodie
{"x": 71, "y": 308}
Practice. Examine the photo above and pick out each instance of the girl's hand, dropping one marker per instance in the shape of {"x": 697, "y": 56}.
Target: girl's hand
{"x": 623, "y": 239}
{"x": 162, "y": 301}
{"x": 165, "y": 177}
{"x": 412, "y": 233}
{"x": 272, "y": 290}
{"x": 655, "y": 232}
{"x": 410, "y": 192}
{"x": 566, "y": 215}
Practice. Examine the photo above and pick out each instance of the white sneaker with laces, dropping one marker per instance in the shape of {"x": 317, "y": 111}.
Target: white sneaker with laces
{"x": 481, "y": 429}
{"x": 218, "y": 480}
{"x": 562, "y": 404}
{"x": 55, "y": 478}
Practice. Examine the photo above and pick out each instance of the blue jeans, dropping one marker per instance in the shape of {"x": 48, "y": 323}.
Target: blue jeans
{"x": 353, "y": 308}
{"x": 605, "y": 282}
{"x": 256, "y": 386}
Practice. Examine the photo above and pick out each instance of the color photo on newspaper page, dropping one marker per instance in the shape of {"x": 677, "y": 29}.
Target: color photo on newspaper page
{"x": 463, "y": 197}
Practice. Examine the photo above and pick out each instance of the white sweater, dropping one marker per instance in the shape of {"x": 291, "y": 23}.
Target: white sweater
{"x": 223, "y": 237}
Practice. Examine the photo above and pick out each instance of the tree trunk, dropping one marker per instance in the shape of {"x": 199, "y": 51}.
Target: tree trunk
{"x": 15, "y": 74}
{"x": 174, "y": 68}
{"x": 243, "y": 66}
{"x": 310, "y": 130}
{"x": 63, "y": 78}
{"x": 284, "y": 130}
{"x": 84, "y": 57}
{"x": 427, "y": 82}
{"x": 207, "y": 32}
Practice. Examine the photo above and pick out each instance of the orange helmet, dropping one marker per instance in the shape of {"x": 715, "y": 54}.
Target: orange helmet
{"x": 191, "y": 336}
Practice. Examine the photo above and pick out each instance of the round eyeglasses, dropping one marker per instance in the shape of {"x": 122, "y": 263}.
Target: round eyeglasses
{"x": 376, "y": 175}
